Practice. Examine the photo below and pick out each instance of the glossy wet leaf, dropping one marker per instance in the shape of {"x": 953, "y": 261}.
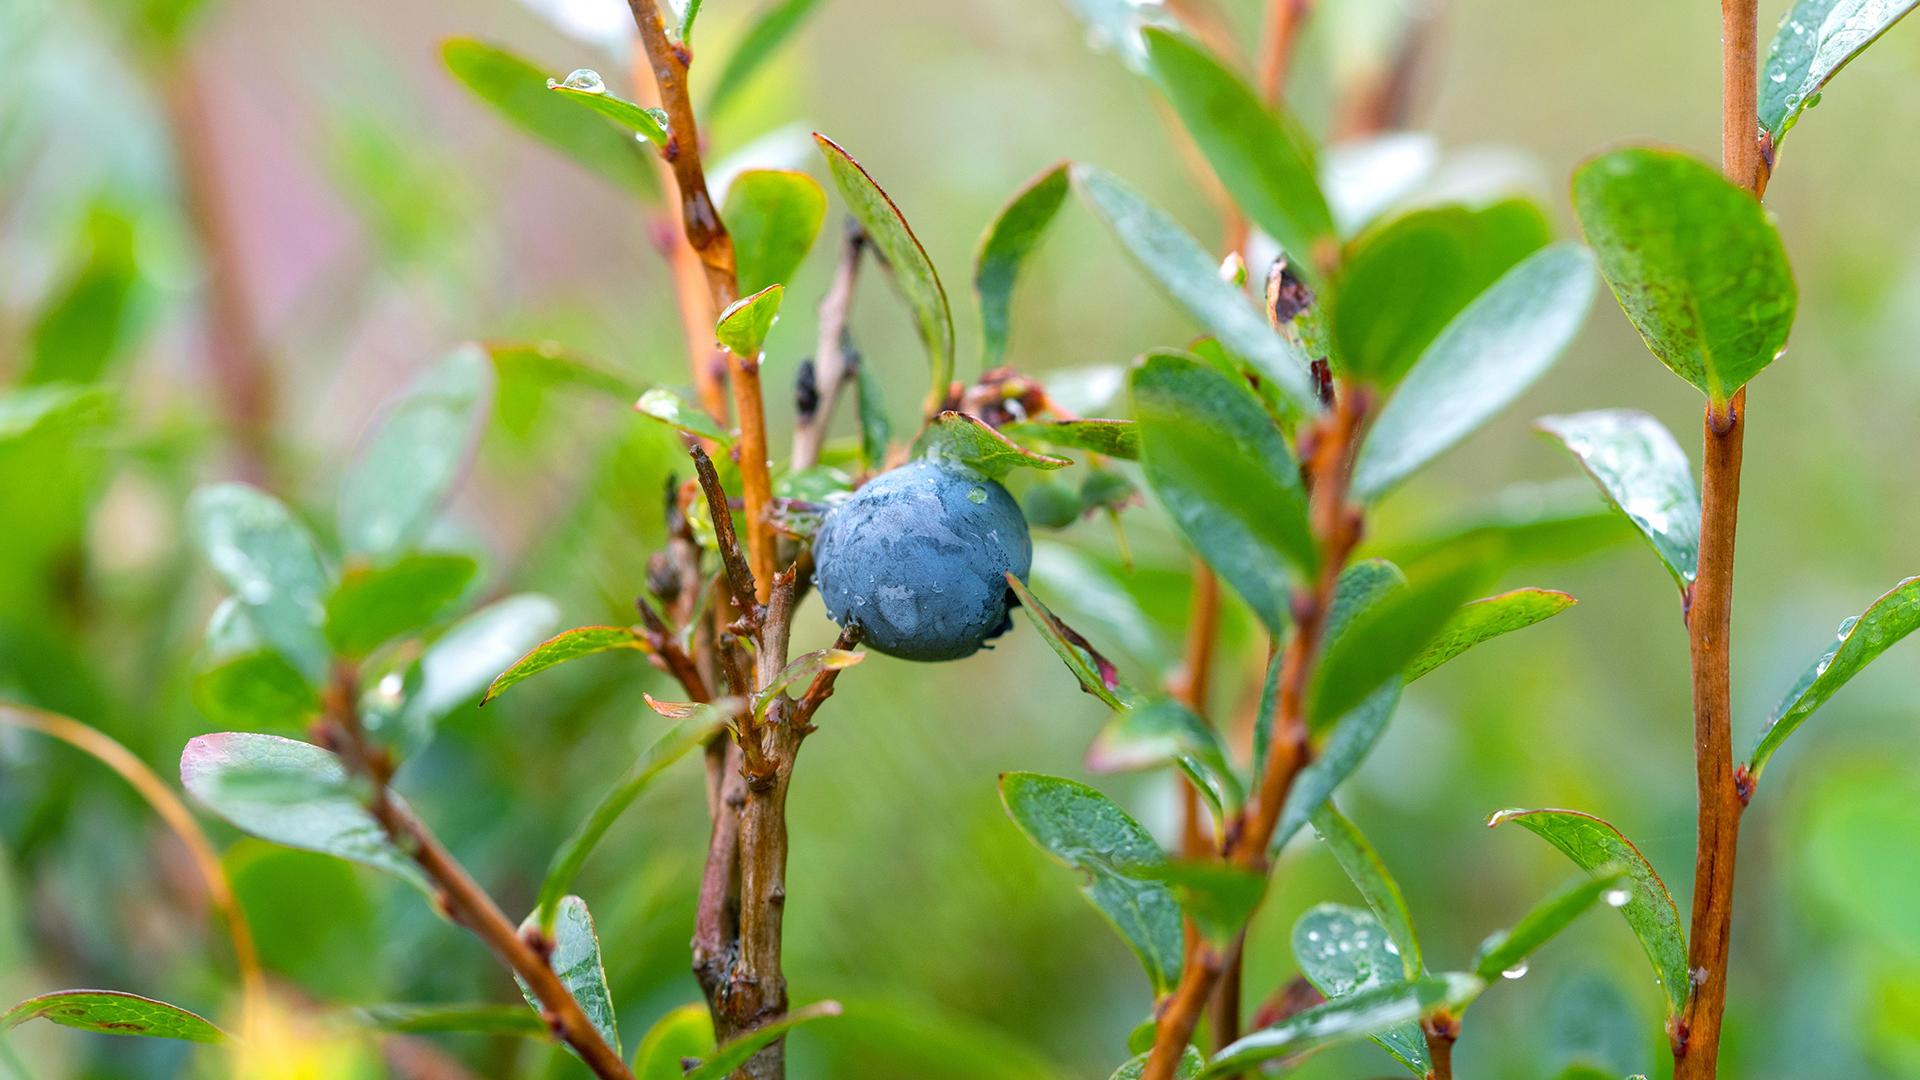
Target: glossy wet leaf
{"x": 1356, "y": 1016}
{"x": 111, "y": 1012}
{"x": 1694, "y": 262}
{"x": 907, "y": 261}
{"x": 1506, "y": 951}
{"x": 268, "y": 559}
{"x": 1344, "y": 950}
{"x": 291, "y": 793}
{"x": 1218, "y": 896}
{"x": 1222, "y": 468}
{"x": 576, "y": 960}
{"x": 460, "y": 665}
{"x": 1337, "y": 755}
{"x": 1815, "y": 40}
{"x": 1114, "y": 438}
{"x": 649, "y": 124}
{"x": 1094, "y": 673}
{"x": 1859, "y": 641}
{"x": 773, "y": 23}
{"x": 1406, "y": 278}
{"x": 682, "y": 1034}
{"x": 416, "y": 454}
{"x": 480, "y": 1019}
{"x": 1387, "y": 636}
{"x": 563, "y": 647}
{"x": 1644, "y": 474}
{"x": 774, "y": 216}
{"x": 1595, "y": 845}
{"x": 1012, "y": 236}
{"x": 735, "y": 1052}
{"x": 1162, "y": 731}
{"x": 744, "y": 324}
{"x": 517, "y": 89}
{"x": 965, "y": 440}
{"x": 371, "y": 606}
{"x": 1088, "y": 832}
{"x": 1191, "y": 278}
{"x": 1483, "y": 620}
{"x": 1263, "y": 157}
{"x": 1192, "y": 1062}
{"x": 676, "y": 412}
{"x": 1485, "y": 358}
{"x": 1356, "y": 855}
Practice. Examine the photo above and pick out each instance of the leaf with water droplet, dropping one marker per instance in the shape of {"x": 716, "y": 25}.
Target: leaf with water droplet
{"x": 587, "y": 90}
{"x": 1694, "y": 261}
{"x": 1344, "y": 950}
{"x": 773, "y": 215}
{"x": 1644, "y": 474}
{"x": 457, "y": 668}
{"x": 1595, "y": 845}
{"x": 1114, "y": 438}
{"x": 672, "y": 410}
{"x": 1357, "y": 1015}
{"x": 744, "y": 325}
{"x": 269, "y": 559}
{"x": 969, "y": 442}
{"x": 575, "y": 958}
{"x": 1218, "y": 896}
{"x": 1815, "y": 40}
{"x": 1192, "y": 1061}
{"x": 1859, "y": 642}
{"x": 1505, "y": 952}
{"x": 1012, "y": 236}
{"x": 1351, "y": 849}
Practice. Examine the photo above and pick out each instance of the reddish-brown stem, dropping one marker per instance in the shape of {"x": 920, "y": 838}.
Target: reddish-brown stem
{"x": 1442, "y": 1030}
{"x": 1277, "y": 37}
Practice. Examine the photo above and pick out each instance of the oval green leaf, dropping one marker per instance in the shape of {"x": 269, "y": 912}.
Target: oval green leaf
{"x": 684, "y": 1034}
{"x": 674, "y": 411}
{"x": 1011, "y": 237}
{"x": 1344, "y": 950}
{"x": 772, "y": 25}
{"x": 1815, "y": 40}
{"x": 418, "y": 450}
{"x": 563, "y": 647}
{"x": 1114, "y": 438}
{"x": 112, "y": 1012}
{"x": 1356, "y": 855}
{"x": 575, "y": 958}
{"x": 370, "y": 607}
{"x": 1356, "y": 1016}
{"x": 1483, "y": 620}
{"x": 478, "y": 1019}
{"x": 743, "y": 326}
{"x": 1505, "y": 952}
{"x": 649, "y": 124}
{"x": 1387, "y": 636}
{"x": 735, "y": 1053}
{"x": 968, "y": 441}
{"x": 774, "y": 216}
{"x": 257, "y": 548}
{"x": 460, "y": 665}
{"x": 1096, "y": 675}
{"x": 1645, "y": 475}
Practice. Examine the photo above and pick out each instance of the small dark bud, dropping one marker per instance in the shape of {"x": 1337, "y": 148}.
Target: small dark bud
{"x": 663, "y": 581}
{"x": 1323, "y": 381}
{"x": 1287, "y": 295}
{"x": 806, "y": 390}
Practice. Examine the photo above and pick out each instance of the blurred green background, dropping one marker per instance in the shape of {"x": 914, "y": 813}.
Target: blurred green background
{"x": 379, "y": 214}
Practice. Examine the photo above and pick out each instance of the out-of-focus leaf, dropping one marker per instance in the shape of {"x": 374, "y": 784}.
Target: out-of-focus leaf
{"x": 1356, "y": 1016}
{"x": 481, "y": 1019}
{"x": 803, "y": 669}
{"x": 111, "y": 1012}
{"x": 1351, "y": 849}
{"x": 1644, "y": 474}
{"x": 1694, "y": 261}
{"x": 291, "y": 793}
{"x": 965, "y": 440}
{"x": 1365, "y": 178}
{"x": 1596, "y": 846}
{"x": 58, "y": 407}
{"x": 1407, "y": 278}
{"x": 257, "y": 548}
{"x": 1219, "y": 897}
{"x": 371, "y": 606}
{"x": 1160, "y": 731}
{"x": 1505, "y": 952}
{"x": 1192, "y": 1061}
{"x": 670, "y": 409}
{"x": 1088, "y": 832}
{"x": 1191, "y": 278}
{"x": 585, "y": 89}
{"x": 415, "y": 456}
{"x": 1815, "y": 40}
{"x": 684, "y": 1034}
{"x": 1009, "y": 239}
{"x": 517, "y": 89}
{"x": 255, "y": 689}
{"x": 1487, "y": 356}
{"x": 906, "y": 260}
{"x": 1223, "y": 470}
{"x": 572, "y": 855}
{"x": 773, "y": 215}
{"x": 743, "y": 326}
{"x": 576, "y": 960}
{"x": 772, "y": 25}
{"x": 1343, "y": 951}
{"x": 1551, "y": 522}
{"x": 1359, "y": 587}
{"x": 550, "y": 364}
{"x": 83, "y": 325}
{"x": 894, "y": 1037}
{"x": 875, "y": 431}
{"x": 1095, "y": 675}
{"x": 1386, "y": 637}
{"x": 462, "y": 663}
{"x": 1114, "y": 438}
{"x": 1263, "y": 158}
{"x": 1114, "y": 26}
{"x": 735, "y": 1052}
{"x": 1856, "y": 644}
{"x": 564, "y": 646}
{"x": 1482, "y": 620}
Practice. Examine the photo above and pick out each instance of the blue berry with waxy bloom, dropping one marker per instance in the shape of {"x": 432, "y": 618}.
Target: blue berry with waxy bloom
{"x": 918, "y": 557}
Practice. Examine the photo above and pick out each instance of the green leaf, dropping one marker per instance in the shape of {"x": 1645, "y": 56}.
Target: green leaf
{"x": 291, "y": 793}
{"x": 462, "y": 663}
{"x": 585, "y": 89}
{"x": 1694, "y": 262}
{"x": 875, "y": 432}
{"x": 743, "y": 326}
{"x": 1488, "y": 355}
{"x": 572, "y": 855}
{"x": 1645, "y": 475}
{"x": 83, "y": 325}
{"x": 773, "y": 215}
{"x": 737, "y": 1051}
{"x": 370, "y": 607}
{"x": 257, "y": 548}
{"x": 1224, "y": 472}
{"x": 1345, "y": 745}
{"x": 255, "y": 689}
{"x": 1505, "y": 952}
{"x": 772, "y": 25}
{"x": 1085, "y": 830}
{"x": 1013, "y": 235}
{"x": 1485, "y": 619}
{"x": 1095, "y": 674}
{"x": 1114, "y": 438}
{"x": 685, "y": 1033}
{"x": 563, "y": 647}
{"x": 1556, "y": 521}
{"x": 803, "y": 669}
{"x": 1343, "y": 951}
{"x": 672, "y": 410}
{"x": 1162, "y": 731}
{"x": 517, "y": 89}
{"x": 1856, "y": 644}
{"x": 965, "y": 440}
{"x": 1219, "y": 897}
{"x": 1356, "y": 1016}
{"x": 1192, "y": 1061}
{"x": 1815, "y": 40}
{"x": 906, "y": 260}
{"x": 689, "y": 11}
{"x": 1406, "y": 278}
{"x": 1264, "y": 159}
{"x": 1595, "y": 846}
{"x": 435, "y": 1019}
{"x": 1387, "y": 636}
{"x": 1191, "y": 278}
{"x": 111, "y": 1012}
{"x": 575, "y": 958}
{"x": 545, "y": 363}
{"x": 407, "y": 468}
{"x": 36, "y": 410}
{"x": 1351, "y": 849}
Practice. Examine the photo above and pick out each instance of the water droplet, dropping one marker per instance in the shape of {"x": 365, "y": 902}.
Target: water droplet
{"x": 1618, "y": 897}
{"x": 977, "y": 495}
{"x": 585, "y": 80}
{"x": 1778, "y": 77}
{"x": 1517, "y": 971}
{"x": 1392, "y": 948}
{"x": 390, "y": 686}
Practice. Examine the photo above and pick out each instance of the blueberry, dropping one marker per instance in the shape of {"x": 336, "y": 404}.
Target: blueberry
{"x": 919, "y": 556}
